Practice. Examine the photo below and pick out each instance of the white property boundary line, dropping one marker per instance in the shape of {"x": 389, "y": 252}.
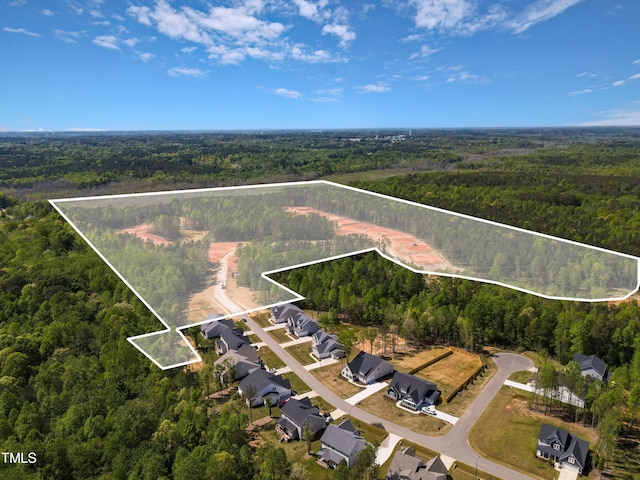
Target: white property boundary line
{"x": 295, "y": 295}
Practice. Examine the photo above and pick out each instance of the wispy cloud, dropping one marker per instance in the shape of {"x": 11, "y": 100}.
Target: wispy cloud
{"x": 540, "y": 11}
{"x": 23, "y": 31}
{"x": 185, "y": 72}
{"x": 614, "y": 118}
{"x": 424, "y": 52}
{"x": 414, "y": 37}
{"x": 380, "y": 87}
{"x": 586, "y": 74}
{"x": 636, "y": 62}
{"x": 466, "y": 77}
{"x": 581, "y": 92}
{"x": 188, "y": 49}
{"x": 68, "y": 36}
{"x": 341, "y": 31}
{"x": 327, "y": 95}
{"x": 46, "y": 12}
{"x": 107, "y": 41}
{"x": 283, "y": 92}
{"x": 131, "y": 42}
{"x": 146, "y": 56}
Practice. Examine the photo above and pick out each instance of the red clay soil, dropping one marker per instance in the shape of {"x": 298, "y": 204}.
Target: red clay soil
{"x": 142, "y": 232}
{"x": 402, "y": 245}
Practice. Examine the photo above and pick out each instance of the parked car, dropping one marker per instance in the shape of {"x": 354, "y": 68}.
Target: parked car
{"x": 429, "y": 410}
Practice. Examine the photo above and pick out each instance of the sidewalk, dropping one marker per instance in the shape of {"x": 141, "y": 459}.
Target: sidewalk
{"x": 367, "y": 392}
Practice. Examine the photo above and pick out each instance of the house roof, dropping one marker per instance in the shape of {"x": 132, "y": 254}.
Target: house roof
{"x": 364, "y": 363}
{"x": 301, "y": 412}
{"x": 588, "y": 362}
{"x": 571, "y": 445}
{"x": 417, "y": 388}
{"x": 261, "y": 379}
{"x": 343, "y": 440}
{"x": 321, "y": 336}
{"x": 215, "y": 328}
{"x": 285, "y": 311}
{"x": 329, "y": 345}
{"x": 406, "y": 465}
{"x": 233, "y": 340}
{"x": 246, "y": 353}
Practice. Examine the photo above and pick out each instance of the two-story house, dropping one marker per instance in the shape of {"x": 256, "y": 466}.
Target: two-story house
{"x": 562, "y": 447}
{"x": 415, "y": 392}
{"x": 296, "y": 416}
{"x": 366, "y": 368}
{"x": 340, "y": 443}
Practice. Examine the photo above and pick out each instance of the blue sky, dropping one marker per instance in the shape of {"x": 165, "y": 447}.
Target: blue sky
{"x": 309, "y": 64}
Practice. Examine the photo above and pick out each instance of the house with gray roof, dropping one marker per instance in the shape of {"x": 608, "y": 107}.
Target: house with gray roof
{"x": 562, "y": 447}
{"x": 324, "y": 346}
{"x": 230, "y": 339}
{"x": 215, "y": 328}
{"x": 282, "y": 313}
{"x": 301, "y": 325}
{"x": 366, "y": 368}
{"x": 263, "y": 387}
{"x": 298, "y": 415}
{"x": 241, "y": 362}
{"x": 406, "y": 465}
{"x": 340, "y": 443}
{"x": 591, "y": 366}
{"x": 414, "y": 392}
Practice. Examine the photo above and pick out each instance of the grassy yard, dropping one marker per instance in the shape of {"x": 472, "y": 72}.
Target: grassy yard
{"x": 521, "y": 377}
{"x": 404, "y": 362}
{"x": 296, "y": 452}
{"x": 463, "y": 399}
{"x": 254, "y": 338}
{"x": 537, "y": 360}
{"x": 241, "y": 325}
{"x": 330, "y": 377}
{"x": 262, "y": 319}
{"x": 370, "y": 433}
{"x": 301, "y": 353}
{"x": 451, "y": 371}
{"x": 322, "y": 404}
{"x": 296, "y": 383}
{"x": 507, "y": 433}
{"x": 280, "y": 335}
{"x": 426, "y": 424}
{"x": 270, "y": 359}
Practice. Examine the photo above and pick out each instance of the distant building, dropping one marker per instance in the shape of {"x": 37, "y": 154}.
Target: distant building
{"x": 562, "y": 447}
{"x": 213, "y": 328}
{"x": 340, "y": 443}
{"x": 366, "y": 368}
{"x": 415, "y": 392}
{"x": 591, "y": 366}
{"x": 406, "y": 465}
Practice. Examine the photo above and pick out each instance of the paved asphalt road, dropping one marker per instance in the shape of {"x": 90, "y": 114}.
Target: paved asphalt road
{"x": 454, "y": 443}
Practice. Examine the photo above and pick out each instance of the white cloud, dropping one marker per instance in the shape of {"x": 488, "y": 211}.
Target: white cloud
{"x": 107, "y": 41}
{"x": 424, "y": 52}
{"x": 23, "y": 31}
{"x": 420, "y": 78}
{"x": 101, "y": 23}
{"x": 618, "y": 83}
{"x": 67, "y": 36}
{"x": 636, "y": 62}
{"x": 283, "y": 92}
{"x": 586, "y": 74}
{"x": 146, "y": 56}
{"x": 411, "y": 38}
{"x": 18, "y": 3}
{"x": 635, "y": 77}
{"x": 581, "y": 92}
{"x": 440, "y": 14}
{"x": 540, "y": 11}
{"x": 226, "y": 55}
{"x": 615, "y": 118}
{"x": 188, "y": 49}
{"x": 185, "y": 72}
{"x": 374, "y": 88}
{"x": 131, "y": 42}
{"x": 327, "y": 95}
{"x": 341, "y": 31}
{"x": 47, "y": 13}
{"x": 464, "y": 76}
{"x": 318, "y": 56}
{"x": 312, "y": 10}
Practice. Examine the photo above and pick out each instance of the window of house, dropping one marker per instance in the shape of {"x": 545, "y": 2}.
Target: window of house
{"x": 572, "y": 460}
{"x": 556, "y": 446}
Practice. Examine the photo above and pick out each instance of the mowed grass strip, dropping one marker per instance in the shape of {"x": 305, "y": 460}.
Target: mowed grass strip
{"x": 330, "y": 377}
{"x": 301, "y": 353}
{"x": 378, "y": 405}
{"x": 521, "y": 377}
{"x": 370, "y": 433}
{"x": 407, "y": 362}
{"x": 270, "y": 359}
{"x": 296, "y": 383}
{"x": 508, "y": 434}
{"x": 262, "y": 319}
{"x": 280, "y": 335}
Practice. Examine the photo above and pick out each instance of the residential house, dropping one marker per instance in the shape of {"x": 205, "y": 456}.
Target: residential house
{"x": 366, "y": 368}
{"x": 405, "y": 465}
{"x": 340, "y": 443}
{"x": 414, "y": 392}
{"x": 230, "y": 339}
{"x": 298, "y": 415}
{"x": 263, "y": 387}
{"x": 301, "y": 326}
{"x": 324, "y": 345}
{"x": 242, "y": 362}
{"x": 562, "y": 447}
{"x": 282, "y": 313}
{"x": 591, "y": 366}
{"x": 215, "y": 328}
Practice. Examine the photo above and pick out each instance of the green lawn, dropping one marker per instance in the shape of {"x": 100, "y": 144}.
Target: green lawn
{"x": 506, "y": 434}
{"x": 322, "y": 404}
{"x": 280, "y": 335}
{"x": 241, "y": 325}
{"x": 262, "y": 319}
{"x": 370, "y": 433}
{"x": 270, "y": 359}
{"x": 301, "y": 353}
{"x": 254, "y": 338}
{"x": 296, "y": 383}
{"x": 521, "y": 377}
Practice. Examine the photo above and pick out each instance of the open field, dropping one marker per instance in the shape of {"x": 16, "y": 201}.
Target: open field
{"x": 301, "y": 353}
{"x": 378, "y": 405}
{"x": 507, "y": 433}
{"x": 280, "y": 335}
{"x": 464, "y": 398}
{"x": 406, "y": 362}
{"x": 451, "y": 371}
{"x": 330, "y": 377}
{"x": 270, "y": 359}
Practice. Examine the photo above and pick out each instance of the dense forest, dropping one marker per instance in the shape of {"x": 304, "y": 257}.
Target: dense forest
{"x": 73, "y": 390}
